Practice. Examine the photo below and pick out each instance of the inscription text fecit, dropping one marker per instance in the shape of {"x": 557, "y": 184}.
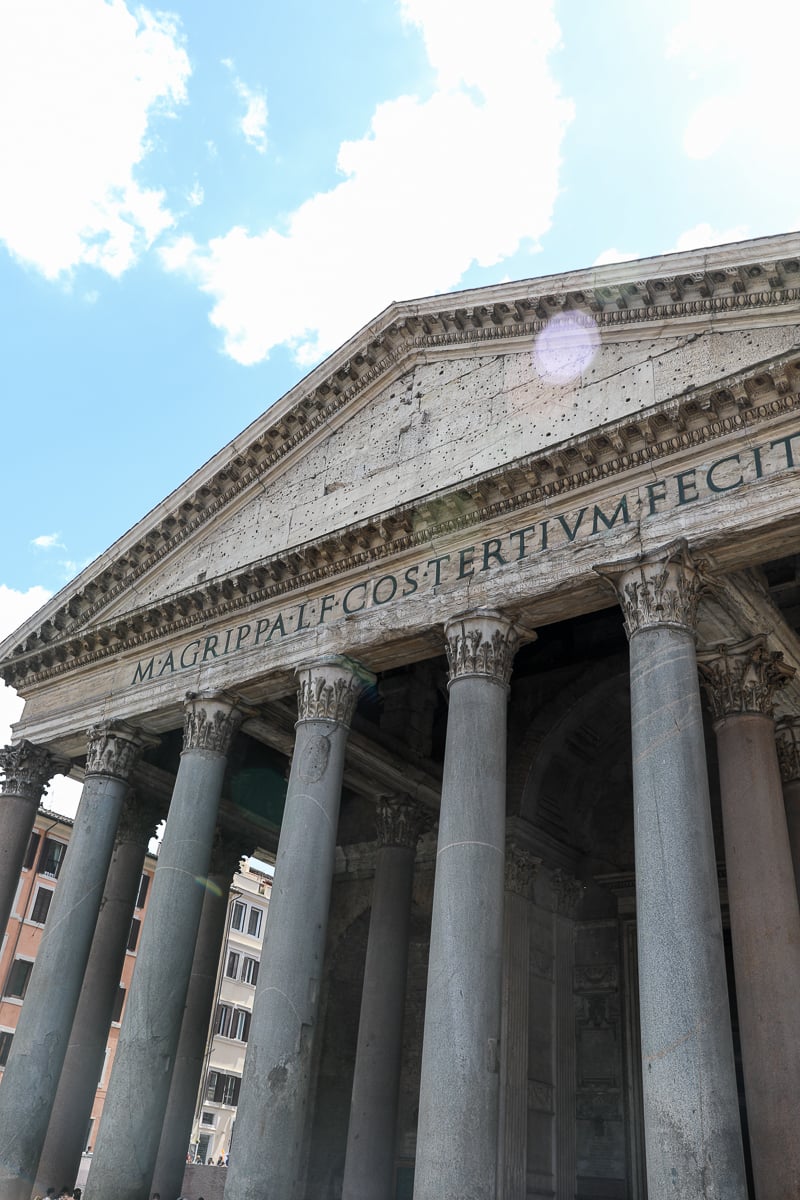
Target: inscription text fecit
{"x": 553, "y": 532}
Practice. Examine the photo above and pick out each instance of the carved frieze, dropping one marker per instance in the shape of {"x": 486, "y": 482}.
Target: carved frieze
{"x": 114, "y": 748}
{"x": 787, "y": 740}
{"x": 399, "y": 821}
{"x": 27, "y": 770}
{"x": 743, "y": 678}
{"x": 521, "y": 869}
{"x": 595, "y": 977}
{"x": 329, "y": 689}
{"x": 540, "y": 1096}
{"x": 211, "y": 721}
{"x": 484, "y": 643}
{"x": 657, "y": 589}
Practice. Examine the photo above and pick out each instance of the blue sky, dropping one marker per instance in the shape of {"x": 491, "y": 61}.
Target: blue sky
{"x": 200, "y": 202}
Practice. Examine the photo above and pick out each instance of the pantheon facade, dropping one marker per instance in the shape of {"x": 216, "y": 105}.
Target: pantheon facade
{"x": 486, "y": 633}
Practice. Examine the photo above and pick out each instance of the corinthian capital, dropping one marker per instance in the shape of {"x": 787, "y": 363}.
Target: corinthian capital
{"x": 656, "y": 589}
{"x": 114, "y": 748}
{"x": 787, "y": 740}
{"x": 399, "y": 821}
{"x": 28, "y": 769}
{"x": 521, "y": 869}
{"x": 567, "y": 891}
{"x": 481, "y": 643}
{"x": 139, "y": 818}
{"x": 328, "y": 690}
{"x": 211, "y": 721}
{"x": 743, "y": 678}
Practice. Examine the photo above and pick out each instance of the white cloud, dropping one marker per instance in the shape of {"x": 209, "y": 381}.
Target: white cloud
{"x": 464, "y": 175}
{"x": 79, "y": 85}
{"x": 612, "y": 255}
{"x": 254, "y": 122}
{"x": 197, "y": 195}
{"x": 702, "y": 235}
{"x": 47, "y": 541}
{"x": 728, "y": 44}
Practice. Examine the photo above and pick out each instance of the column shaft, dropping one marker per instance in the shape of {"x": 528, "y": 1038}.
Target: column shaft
{"x": 691, "y": 1114}
{"x": 83, "y": 1063}
{"x": 762, "y": 895}
{"x": 127, "y": 1143}
{"x": 177, "y": 1127}
{"x": 791, "y": 799}
{"x": 459, "y": 1087}
{"x": 369, "y": 1161}
{"x": 40, "y": 1042}
{"x": 265, "y": 1159}
{"x": 513, "y": 1136}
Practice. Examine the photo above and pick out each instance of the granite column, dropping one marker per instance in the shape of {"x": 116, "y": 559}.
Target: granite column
{"x": 179, "y": 1116}
{"x": 40, "y": 1042}
{"x": 27, "y": 769}
{"x": 788, "y": 742}
{"x": 369, "y": 1160}
{"x": 459, "y": 1088}
{"x": 266, "y": 1155}
{"x": 83, "y": 1064}
{"x": 520, "y": 874}
{"x": 762, "y": 895}
{"x": 691, "y": 1113}
{"x": 127, "y": 1143}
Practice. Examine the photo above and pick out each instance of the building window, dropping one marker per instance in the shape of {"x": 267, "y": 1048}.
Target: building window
{"x": 41, "y": 905}
{"x": 222, "y": 1021}
{"x": 51, "y": 858}
{"x": 250, "y": 970}
{"x": 240, "y": 1025}
{"x": 118, "y": 1003}
{"x": 144, "y": 884}
{"x": 222, "y": 1088}
{"x": 238, "y": 915}
{"x": 18, "y": 978}
{"x": 232, "y": 965}
{"x": 6, "y": 1038}
{"x": 208, "y": 1119}
{"x": 30, "y": 853}
{"x": 254, "y": 922}
{"x": 133, "y": 935}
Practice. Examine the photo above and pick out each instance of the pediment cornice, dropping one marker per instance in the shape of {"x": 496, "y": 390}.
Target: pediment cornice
{"x": 746, "y": 280}
{"x": 740, "y": 401}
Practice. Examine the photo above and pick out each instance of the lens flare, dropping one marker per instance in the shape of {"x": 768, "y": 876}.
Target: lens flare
{"x": 208, "y": 885}
{"x": 566, "y": 346}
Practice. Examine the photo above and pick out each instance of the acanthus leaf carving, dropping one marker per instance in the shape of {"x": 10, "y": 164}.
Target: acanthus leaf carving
{"x": 520, "y": 871}
{"x": 743, "y": 678}
{"x": 211, "y": 721}
{"x": 658, "y": 589}
{"x": 28, "y": 769}
{"x": 329, "y": 689}
{"x": 400, "y": 821}
{"x": 481, "y": 643}
{"x": 114, "y": 748}
{"x": 787, "y": 741}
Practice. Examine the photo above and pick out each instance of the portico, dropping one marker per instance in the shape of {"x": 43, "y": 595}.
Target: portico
{"x": 440, "y": 572}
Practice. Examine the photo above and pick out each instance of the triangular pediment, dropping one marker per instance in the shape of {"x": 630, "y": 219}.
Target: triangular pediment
{"x": 436, "y": 409}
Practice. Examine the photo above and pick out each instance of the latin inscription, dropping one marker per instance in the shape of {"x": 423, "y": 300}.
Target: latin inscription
{"x": 725, "y": 475}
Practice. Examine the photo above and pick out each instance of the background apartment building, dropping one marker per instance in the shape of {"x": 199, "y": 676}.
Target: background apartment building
{"x": 237, "y": 975}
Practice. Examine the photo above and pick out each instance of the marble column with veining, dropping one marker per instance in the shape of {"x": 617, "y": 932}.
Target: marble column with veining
{"x": 787, "y": 733}
{"x": 27, "y": 770}
{"x": 127, "y": 1142}
{"x": 179, "y": 1117}
{"x": 267, "y": 1149}
{"x": 740, "y": 682}
{"x": 691, "y": 1111}
{"x": 520, "y": 874}
{"x": 369, "y": 1158}
{"x": 83, "y": 1064}
{"x": 31, "y": 1076}
{"x": 457, "y": 1133}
